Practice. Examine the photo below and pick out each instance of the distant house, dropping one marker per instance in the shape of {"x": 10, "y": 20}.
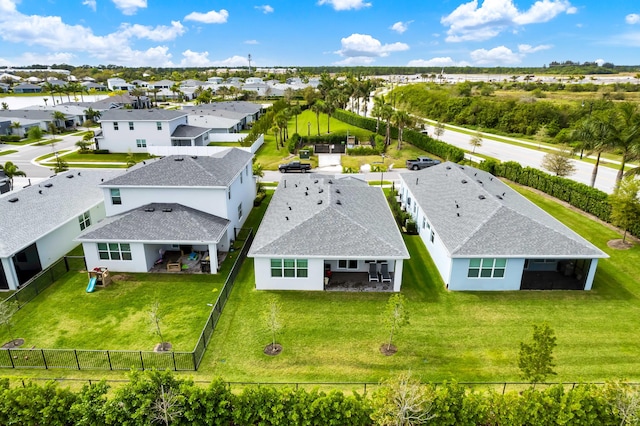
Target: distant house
{"x": 135, "y": 130}
{"x": 5, "y": 183}
{"x": 245, "y": 112}
{"x": 217, "y": 121}
{"x": 162, "y": 84}
{"x": 482, "y": 235}
{"x": 318, "y": 229}
{"x": 39, "y": 223}
{"x": 177, "y": 204}
{"x": 91, "y": 85}
{"x": 27, "y": 88}
{"x": 119, "y": 84}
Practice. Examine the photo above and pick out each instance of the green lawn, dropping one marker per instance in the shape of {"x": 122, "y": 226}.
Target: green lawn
{"x": 90, "y": 157}
{"x": 471, "y": 336}
{"x": 7, "y": 152}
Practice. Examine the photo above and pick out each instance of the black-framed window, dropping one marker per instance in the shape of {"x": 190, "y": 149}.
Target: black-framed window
{"x": 114, "y": 251}
{"x": 289, "y": 268}
{"x": 115, "y": 196}
{"x": 487, "y": 268}
{"x": 347, "y": 264}
{"x": 84, "y": 220}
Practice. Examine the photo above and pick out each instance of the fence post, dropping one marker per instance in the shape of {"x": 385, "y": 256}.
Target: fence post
{"x": 504, "y": 388}
{"x": 141, "y": 361}
{"x": 75, "y": 352}
{"x": 10, "y": 358}
{"x": 66, "y": 263}
{"x": 44, "y": 359}
{"x": 173, "y": 355}
{"x": 195, "y": 365}
{"x": 109, "y": 358}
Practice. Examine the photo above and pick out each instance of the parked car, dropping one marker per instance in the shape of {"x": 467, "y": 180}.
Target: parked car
{"x": 421, "y": 163}
{"x": 294, "y": 166}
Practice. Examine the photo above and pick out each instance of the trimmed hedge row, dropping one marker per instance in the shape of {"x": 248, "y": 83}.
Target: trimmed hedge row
{"x": 422, "y": 141}
{"x": 10, "y": 138}
{"x": 159, "y": 397}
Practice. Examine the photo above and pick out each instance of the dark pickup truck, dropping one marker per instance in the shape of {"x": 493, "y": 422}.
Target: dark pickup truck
{"x": 421, "y": 163}
{"x": 294, "y": 166}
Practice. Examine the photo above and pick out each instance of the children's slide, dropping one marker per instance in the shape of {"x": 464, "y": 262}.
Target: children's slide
{"x": 92, "y": 285}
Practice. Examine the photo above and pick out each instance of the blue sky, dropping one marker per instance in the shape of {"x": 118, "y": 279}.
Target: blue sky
{"x": 209, "y": 33}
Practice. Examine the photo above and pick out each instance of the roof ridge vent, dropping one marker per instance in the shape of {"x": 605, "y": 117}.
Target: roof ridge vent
{"x": 339, "y": 202}
{"x": 482, "y": 197}
{"x": 178, "y": 159}
{"x": 320, "y": 191}
{"x": 319, "y": 201}
{"x": 480, "y": 182}
{"x": 337, "y": 190}
{"x": 13, "y": 200}
{"x": 149, "y": 209}
{"x": 69, "y": 176}
{"x": 499, "y": 197}
{"x": 463, "y": 181}
{"x": 167, "y": 210}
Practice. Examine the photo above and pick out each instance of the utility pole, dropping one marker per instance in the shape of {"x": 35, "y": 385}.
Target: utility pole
{"x": 249, "y": 58}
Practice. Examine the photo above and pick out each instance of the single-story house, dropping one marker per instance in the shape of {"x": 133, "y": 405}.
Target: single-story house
{"x": 27, "y": 88}
{"x": 39, "y": 223}
{"x": 483, "y": 235}
{"x": 317, "y": 227}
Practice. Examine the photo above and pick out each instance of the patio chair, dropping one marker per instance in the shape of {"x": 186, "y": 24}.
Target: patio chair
{"x": 373, "y": 272}
{"x": 384, "y": 271}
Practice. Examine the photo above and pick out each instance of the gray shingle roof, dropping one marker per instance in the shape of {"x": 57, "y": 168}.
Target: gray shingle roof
{"x": 475, "y": 214}
{"x": 155, "y": 223}
{"x": 36, "y": 214}
{"x": 217, "y": 170}
{"x": 296, "y": 225}
{"x": 188, "y": 131}
{"x": 141, "y": 114}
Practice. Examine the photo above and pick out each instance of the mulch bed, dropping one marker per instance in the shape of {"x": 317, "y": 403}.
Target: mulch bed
{"x": 160, "y": 348}
{"x": 15, "y": 343}
{"x": 387, "y": 349}
{"x": 619, "y": 244}
{"x": 273, "y": 350}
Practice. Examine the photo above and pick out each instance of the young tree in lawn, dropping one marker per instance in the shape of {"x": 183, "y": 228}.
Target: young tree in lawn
{"x": 624, "y": 400}
{"x": 559, "y": 162}
{"x": 156, "y": 315}
{"x": 476, "y": 141}
{"x": 274, "y": 325}
{"x": 166, "y": 408}
{"x": 34, "y": 133}
{"x": 535, "y": 359}
{"x": 5, "y": 106}
{"x": 60, "y": 165}
{"x": 10, "y": 171}
{"x": 131, "y": 161}
{"x": 7, "y": 311}
{"x": 625, "y": 204}
{"x": 59, "y": 118}
{"x": 395, "y": 316}
{"x": 403, "y": 401}
{"x": 317, "y": 108}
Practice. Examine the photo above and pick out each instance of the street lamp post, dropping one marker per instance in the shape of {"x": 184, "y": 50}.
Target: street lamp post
{"x": 308, "y": 128}
{"x": 382, "y": 170}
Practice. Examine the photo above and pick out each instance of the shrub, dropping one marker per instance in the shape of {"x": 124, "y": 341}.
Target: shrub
{"x": 100, "y": 151}
{"x": 10, "y": 138}
{"x": 292, "y": 143}
{"x": 363, "y": 150}
{"x": 259, "y": 197}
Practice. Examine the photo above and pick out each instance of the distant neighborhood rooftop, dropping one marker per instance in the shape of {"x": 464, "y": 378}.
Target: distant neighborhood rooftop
{"x": 141, "y": 114}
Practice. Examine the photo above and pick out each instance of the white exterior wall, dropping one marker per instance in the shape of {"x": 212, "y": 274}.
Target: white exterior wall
{"x": 591, "y": 275}
{"x": 511, "y": 280}
{"x": 10, "y": 273}
{"x": 138, "y": 262}
{"x": 56, "y": 244}
{"x": 124, "y": 140}
{"x": 264, "y": 281}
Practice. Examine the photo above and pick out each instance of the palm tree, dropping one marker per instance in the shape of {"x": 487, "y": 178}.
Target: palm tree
{"x": 15, "y": 125}
{"x": 386, "y": 113}
{"x": 11, "y": 170}
{"x": 376, "y": 111}
{"x": 401, "y": 119}
{"x": 627, "y": 141}
{"x": 330, "y": 104}
{"x": 598, "y": 132}
{"x": 175, "y": 89}
{"x": 51, "y": 88}
{"x": 92, "y": 114}
{"x": 59, "y": 117}
{"x": 295, "y": 111}
{"x": 138, "y": 93}
{"x": 317, "y": 108}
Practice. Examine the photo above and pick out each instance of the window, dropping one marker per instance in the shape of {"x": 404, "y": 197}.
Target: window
{"x": 85, "y": 221}
{"x": 159, "y": 125}
{"x": 409, "y": 201}
{"x": 229, "y": 193}
{"x": 131, "y": 125}
{"x": 433, "y": 236}
{"x": 347, "y": 264}
{"x": 141, "y": 143}
{"x": 239, "y": 211}
{"x": 246, "y": 170}
{"x": 115, "y": 125}
{"x": 486, "y": 268}
{"x": 241, "y": 178}
{"x": 424, "y": 223}
{"x": 290, "y": 268}
{"x": 115, "y": 196}
{"x": 114, "y": 251}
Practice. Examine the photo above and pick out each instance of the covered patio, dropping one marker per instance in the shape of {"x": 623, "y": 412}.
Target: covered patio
{"x": 355, "y": 281}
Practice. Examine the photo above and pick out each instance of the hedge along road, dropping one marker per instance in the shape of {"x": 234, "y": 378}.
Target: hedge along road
{"x": 605, "y": 180}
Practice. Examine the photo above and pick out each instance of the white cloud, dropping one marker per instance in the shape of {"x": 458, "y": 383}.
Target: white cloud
{"x": 29, "y": 58}
{"x": 158, "y": 56}
{"x": 265, "y": 8}
{"x": 91, "y": 4}
{"x": 632, "y": 18}
{"x": 363, "y": 45}
{"x": 195, "y": 59}
{"x": 468, "y": 22}
{"x": 8, "y": 6}
{"x": 500, "y": 55}
{"x": 211, "y": 17}
{"x": 130, "y": 7}
{"x": 345, "y": 4}
{"x": 433, "y": 62}
{"x": 400, "y": 26}
{"x": 599, "y": 62}
{"x": 234, "y": 61}
{"x": 251, "y": 42}
{"x": 159, "y": 33}
{"x": 525, "y": 48}
{"x": 355, "y": 60}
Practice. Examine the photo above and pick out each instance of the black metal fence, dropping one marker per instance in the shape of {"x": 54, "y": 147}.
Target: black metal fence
{"x": 80, "y": 359}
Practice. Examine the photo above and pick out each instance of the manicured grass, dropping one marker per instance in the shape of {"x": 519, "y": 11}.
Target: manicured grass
{"x": 225, "y": 144}
{"x": 90, "y": 157}
{"x": 50, "y": 155}
{"x": 45, "y": 142}
{"x": 117, "y": 316}
{"x": 7, "y": 152}
{"x": 472, "y": 336}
